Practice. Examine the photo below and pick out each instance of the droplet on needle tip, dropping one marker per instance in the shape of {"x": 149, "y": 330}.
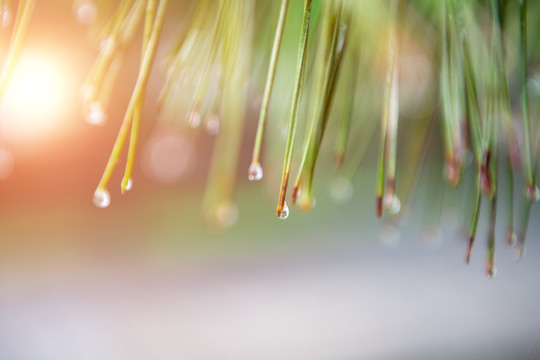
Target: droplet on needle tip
{"x": 102, "y": 198}
{"x": 283, "y": 213}
{"x": 255, "y": 172}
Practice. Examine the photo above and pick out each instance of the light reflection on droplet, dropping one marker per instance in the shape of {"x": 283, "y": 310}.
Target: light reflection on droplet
{"x": 102, "y": 198}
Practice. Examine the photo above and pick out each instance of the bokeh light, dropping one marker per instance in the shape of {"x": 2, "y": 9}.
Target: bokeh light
{"x": 35, "y": 101}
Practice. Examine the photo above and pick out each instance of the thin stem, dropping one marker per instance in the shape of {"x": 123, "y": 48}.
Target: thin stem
{"x": 524, "y": 91}
{"x": 137, "y": 95}
{"x": 268, "y": 87}
{"x": 297, "y": 94}
{"x": 317, "y": 130}
{"x": 390, "y": 113}
{"x": 22, "y": 20}
{"x": 474, "y": 222}
{"x": 148, "y": 26}
{"x": 346, "y": 117}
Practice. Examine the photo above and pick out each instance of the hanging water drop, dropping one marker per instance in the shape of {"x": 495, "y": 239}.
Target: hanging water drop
{"x": 491, "y": 271}
{"x": 226, "y": 214}
{"x": 511, "y": 238}
{"x": 102, "y": 198}
{"x": 341, "y": 190}
{"x": 392, "y": 204}
{"x": 107, "y": 45}
{"x": 452, "y": 173}
{"x": 284, "y": 212}
{"x": 96, "y": 115}
{"x": 129, "y": 184}
{"x": 6, "y": 16}
{"x": 86, "y": 11}
{"x": 255, "y": 172}
{"x": 194, "y": 119}
{"x": 212, "y": 125}
{"x": 533, "y": 193}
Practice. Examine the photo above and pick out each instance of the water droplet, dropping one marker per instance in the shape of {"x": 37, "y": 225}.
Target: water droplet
{"x": 129, "y": 184}
{"x": 194, "y": 119}
{"x": 307, "y": 201}
{"x": 96, "y": 115}
{"x": 107, "y": 45}
{"x": 533, "y": 193}
{"x": 212, "y": 125}
{"x": 491, "y": 271}
{"x": 392, "y": 204}
{"x": 226, "y": 214}
{"x": 102, "y": 198}
{"x": 511, "y": 238}
{"x": 341, "y": 190}
{"x": 452, "y": 173}
{"x": 6, "y": 16}
{"x": 284, "y": 212}
{"x": 255, "y": 172}
{"x": 86, "y": 11}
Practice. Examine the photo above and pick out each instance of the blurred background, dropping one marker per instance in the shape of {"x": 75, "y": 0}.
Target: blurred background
{"x": 145, "y": 279}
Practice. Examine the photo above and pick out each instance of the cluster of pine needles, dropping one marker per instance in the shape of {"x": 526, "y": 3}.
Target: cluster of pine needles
{"x": 457, "y": 72}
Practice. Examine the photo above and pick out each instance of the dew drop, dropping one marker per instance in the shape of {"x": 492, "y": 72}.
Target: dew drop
{"x": 533, "y": 193}
{"x": 194, "y": 119}
{"x": 226, "y": 214}
{"x": 129, "y": 184}
{"x": 392, "y": 204}
{"x": 96, "y": 115}
{"x": 86, "y": 11}
{"x": 341, "y": 190}
{"x": 307, "y": 202}
{"x": 491, "y": 271}
{"x": 102, "y": 198}
{"x": 255, "y": 172}
{"x": 212, "y": 125}
{"x": 284, "y": 212}
{"x": 107, "y": 45}
{"x": 452, "y": 173}
{"x": 511, "y": 238}
{"x": 6, "y": 16}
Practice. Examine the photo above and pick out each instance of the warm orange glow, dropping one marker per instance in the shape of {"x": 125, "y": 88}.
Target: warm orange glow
{"x": 35, "y": 100}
